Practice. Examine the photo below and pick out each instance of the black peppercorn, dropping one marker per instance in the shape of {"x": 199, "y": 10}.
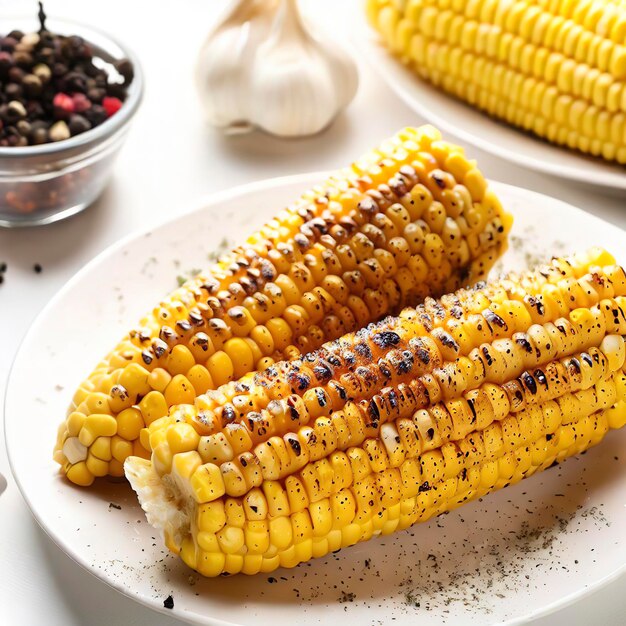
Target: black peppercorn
{"x": 16, "y": 74}
{"x": 13, "y": 91}
{"x": 75, "y": 82}
{"x": 90, "y": 71}
{"x": 6, "y": 62}
{"x": 78, "y": 124}
{"x": 96, "y": 114}
{"x": 126, "y": 70}
{"x": 47, "y": 55}
{"x": 117, "y": 90}
{"x": 46, "y": 38}
{"x": 34, "y": 110}
{"x": 96, "y": 94}
{"x": 59, "y": 69}
{"x": 8, "y": 43}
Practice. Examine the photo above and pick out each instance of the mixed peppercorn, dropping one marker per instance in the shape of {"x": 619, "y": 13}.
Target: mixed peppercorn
{"x": 52, "y": 87}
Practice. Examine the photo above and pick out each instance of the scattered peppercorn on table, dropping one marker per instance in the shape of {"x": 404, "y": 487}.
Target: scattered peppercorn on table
{"x": 410, "y": 219}
{"x": 554, "y": 68}
{"x": 393, "y": 424}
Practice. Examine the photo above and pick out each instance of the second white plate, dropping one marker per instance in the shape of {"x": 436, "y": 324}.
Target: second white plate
{"x": 523, "y": 551}
{"x": 475, "y": 128}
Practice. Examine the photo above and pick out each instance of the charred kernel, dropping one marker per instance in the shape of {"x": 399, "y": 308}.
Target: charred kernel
{"x": 300, "y": 382}
{"x": 321, "y": 397}
{"x": 384, "y": 339}
{"x": 574, "y": 365}
{"x": 295, "y": 445}
{"x": 392, "y": 396}
{"x": 340, "y": 390}
{"x": 529, "y": 382}
{"x": 587, "y": 359}
{"x": 384, "y": 369}
{"x": 487, "y": 355}
{"x": 541, "y": 378}
{"x": 494, "y": 319}
{"x": 373, "y": 410}
{"x": 536, "y": 304}
{"x": 228, "y": 413}
{"x": 323, "y": 372}
{"x": 147, "y": 357}
{"x": 523, "y": 342}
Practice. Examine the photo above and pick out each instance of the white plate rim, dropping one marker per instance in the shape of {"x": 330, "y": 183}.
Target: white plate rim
{"x": 208, "y": 203}
{"x": 366, "y": 41}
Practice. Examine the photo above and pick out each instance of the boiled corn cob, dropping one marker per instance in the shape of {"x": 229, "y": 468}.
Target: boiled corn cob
{"x": 555, "y": 68}
{"x": 393, "y": 424}
{"x": 410, "y": 219}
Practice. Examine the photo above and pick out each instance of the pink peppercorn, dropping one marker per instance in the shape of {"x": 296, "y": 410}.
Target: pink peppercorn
{"x": 111, "y": 105}
{"x": 81, "y": 102}
{"x": 63, "y": 104}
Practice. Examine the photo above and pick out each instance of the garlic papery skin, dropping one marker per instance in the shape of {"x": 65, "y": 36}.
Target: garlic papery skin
{"x": 225, "y": 60}
{"x": 285, "y": 80}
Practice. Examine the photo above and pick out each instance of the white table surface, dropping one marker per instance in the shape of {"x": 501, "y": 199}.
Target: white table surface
{"x": 171, "y": 160}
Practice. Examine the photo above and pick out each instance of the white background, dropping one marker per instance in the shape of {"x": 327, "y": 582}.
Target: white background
{"x": 170, "y": 160}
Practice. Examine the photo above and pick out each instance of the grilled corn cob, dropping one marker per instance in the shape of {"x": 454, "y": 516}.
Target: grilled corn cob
{"x": 393, "y": 424}
{"x": 410, "y": 219}
{"x": 554, "y": 68}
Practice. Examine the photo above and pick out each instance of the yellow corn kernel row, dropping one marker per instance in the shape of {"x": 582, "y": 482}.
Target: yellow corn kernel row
{"x": 519, "y": 62}
{"x": 539, "y": 26}
{"x": 437, "y": 351}
{"x": 606, "y": 18}
{"x": 374, "y": 491}
{"x": 521, "y": 53}
{"x": 411, "y": 219}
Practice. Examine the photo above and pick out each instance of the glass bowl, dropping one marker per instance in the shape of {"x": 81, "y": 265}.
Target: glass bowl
{"x": 49, "y": 182}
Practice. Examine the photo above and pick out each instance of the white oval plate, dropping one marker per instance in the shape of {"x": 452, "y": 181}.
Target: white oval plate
{"x": 523, "y": 551}
{"x": 478, "y": 129}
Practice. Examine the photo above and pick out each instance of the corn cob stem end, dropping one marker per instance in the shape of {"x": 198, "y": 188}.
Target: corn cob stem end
{"x": 167, "y": 507}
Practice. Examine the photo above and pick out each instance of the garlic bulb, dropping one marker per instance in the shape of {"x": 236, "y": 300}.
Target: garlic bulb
{"x": 263, "y": 67}
{"x": 223, "y": 64}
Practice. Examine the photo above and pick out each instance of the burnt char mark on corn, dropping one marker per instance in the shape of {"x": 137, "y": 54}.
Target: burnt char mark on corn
{"x": 385, "y": 339}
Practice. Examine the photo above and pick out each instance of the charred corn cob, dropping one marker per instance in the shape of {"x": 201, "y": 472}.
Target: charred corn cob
{"x": 410, "y": 219}
{"x": 393, "y": 424}
{"x": 554, "y": 68}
